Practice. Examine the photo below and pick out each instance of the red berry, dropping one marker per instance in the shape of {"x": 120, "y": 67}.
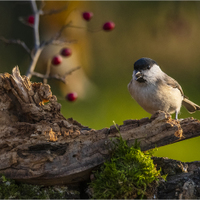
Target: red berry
{"x": 87, "y": 15}
{"x": 31, "y": 19}
{"x": 108, "y": 26}
{"x": 71, "y": 96}
{"x": 66, "y": 52}
{"x": 56, "y": 60}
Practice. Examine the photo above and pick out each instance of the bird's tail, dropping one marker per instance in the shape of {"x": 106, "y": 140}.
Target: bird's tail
{"x": 190, "y": 106}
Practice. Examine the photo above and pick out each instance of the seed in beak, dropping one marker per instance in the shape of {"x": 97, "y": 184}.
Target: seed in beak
{"x": 138, "y": 74}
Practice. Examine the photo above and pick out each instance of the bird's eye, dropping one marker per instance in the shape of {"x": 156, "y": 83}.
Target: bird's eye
{"x": 148, "y": 67}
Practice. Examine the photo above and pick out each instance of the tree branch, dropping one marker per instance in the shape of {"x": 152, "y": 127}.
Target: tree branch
{"x": 54, "y": 11}
{"x": 58, "y": 34}
{"x": 36, "y": 24}
{"x": 62, "y": 42}
{"x": 47, "y": 72}
{"x": 55, "y": 76}
{"x": 33, "y": 62}
{"x": 37, "y": 48}
{"x": 18, "y": 42}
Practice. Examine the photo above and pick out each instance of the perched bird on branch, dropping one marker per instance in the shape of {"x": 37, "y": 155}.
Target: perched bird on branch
{"x": 154, "y": 90}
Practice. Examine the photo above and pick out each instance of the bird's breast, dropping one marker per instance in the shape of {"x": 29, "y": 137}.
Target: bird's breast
{"x": 152, "y": 97}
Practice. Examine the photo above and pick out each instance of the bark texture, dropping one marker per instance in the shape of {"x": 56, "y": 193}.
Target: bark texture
{"x": 38, "y": 145}
{"x": 183, "y": 180}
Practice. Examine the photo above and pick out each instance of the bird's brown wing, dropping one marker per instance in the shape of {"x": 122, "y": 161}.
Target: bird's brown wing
{"x": 189, "y": 105}
{"x": 173, "y": 83}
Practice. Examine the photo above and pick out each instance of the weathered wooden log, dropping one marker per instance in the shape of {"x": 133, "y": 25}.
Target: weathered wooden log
{"x": 38, "y": 145}
{"x": 183, "y": 180}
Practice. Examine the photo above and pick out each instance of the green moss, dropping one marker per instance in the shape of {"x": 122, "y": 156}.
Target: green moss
{"x": 130, "y": 173}
{"x": 9, "y": 189}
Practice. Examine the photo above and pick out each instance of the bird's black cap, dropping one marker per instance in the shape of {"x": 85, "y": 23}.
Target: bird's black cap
{"x": 144, "y": 63}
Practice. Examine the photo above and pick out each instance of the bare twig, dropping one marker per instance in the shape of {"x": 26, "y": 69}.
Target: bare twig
{"x": 36, "y": 24}
{"x": 72, "y": 70}
{"x": 37, "y": 48}
{"x": 78, "y": 27}
{"x": 62, "y": 42}
{"x": 81, "y": 27}
{"x": 89, "y": 30}
{"x": 47, "y": 71}
{"x": 42, "y": 5}
{"x": 38, "y": 51}
{"x": 34, "y": 61}
{"x": 23, "y": 20}
{"x": 19, "y": 42}
{"x": 54, "y": 11}
{"x": 58, "y": 34}
{"x": 55, "y": 76}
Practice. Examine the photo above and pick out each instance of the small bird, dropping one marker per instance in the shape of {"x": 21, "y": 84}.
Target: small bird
{"x": 154, "y": 90}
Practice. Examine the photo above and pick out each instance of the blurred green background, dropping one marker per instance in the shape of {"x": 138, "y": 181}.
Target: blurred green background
{"x": 166, "y": 31}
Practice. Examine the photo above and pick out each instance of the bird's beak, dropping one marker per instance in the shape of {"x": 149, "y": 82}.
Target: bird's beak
{"x": 139, "y": 76}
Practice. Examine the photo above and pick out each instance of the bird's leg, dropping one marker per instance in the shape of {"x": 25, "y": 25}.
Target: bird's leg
{"x": 176, "y": 116}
